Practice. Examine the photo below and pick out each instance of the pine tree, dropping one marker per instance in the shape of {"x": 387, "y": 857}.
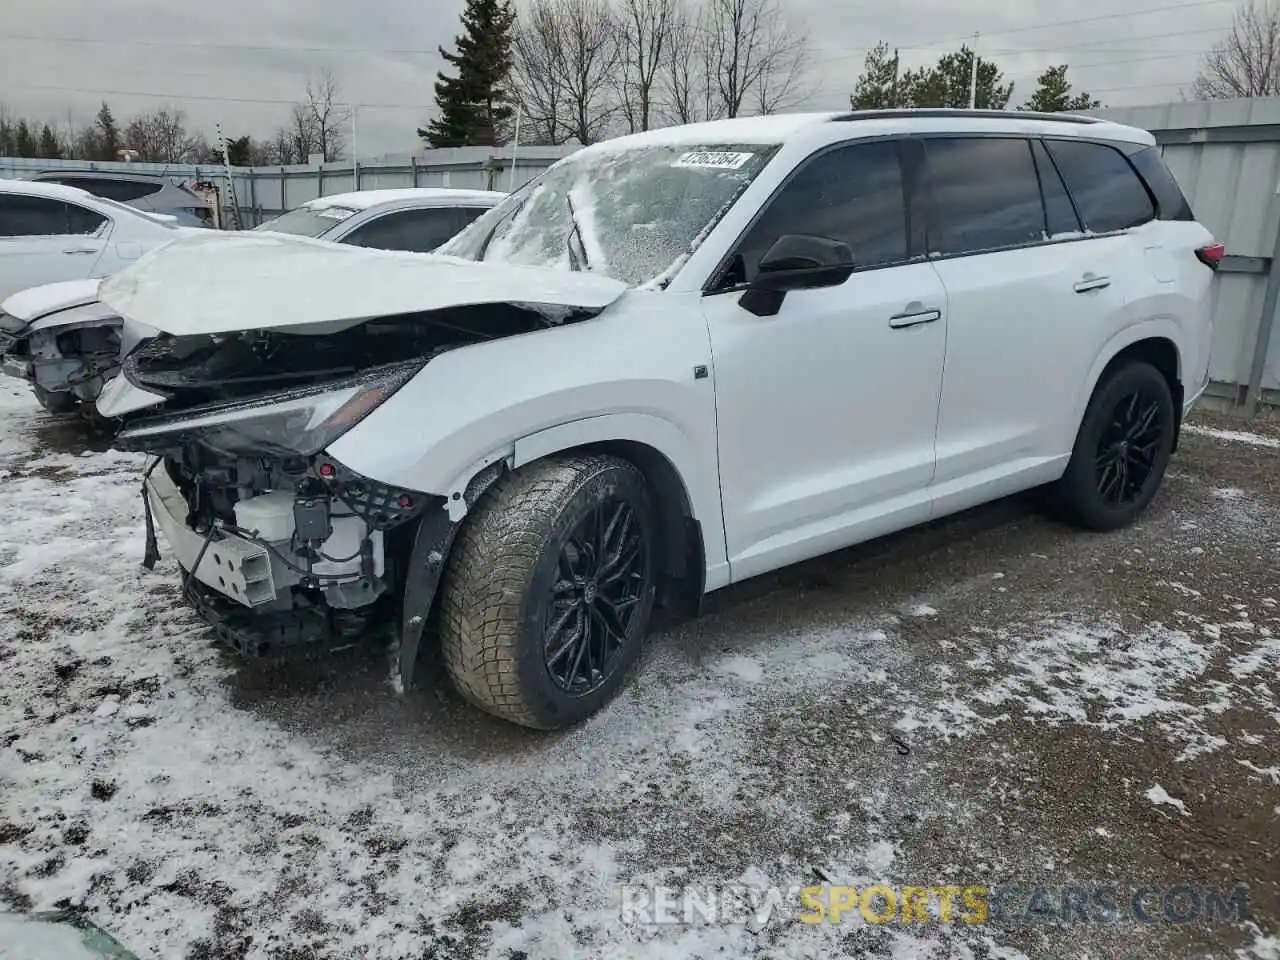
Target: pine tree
{"x": 50, "y": 147}
{"x": 877, "y": 88}
{"x": 26, "y": 143}
{"x": 106, "y": 136}
{"x": 7, "y": 142}
{"x": 475, "y": 105}
{"x": 946, "y": 83}
{"x": 1053, "y": 94}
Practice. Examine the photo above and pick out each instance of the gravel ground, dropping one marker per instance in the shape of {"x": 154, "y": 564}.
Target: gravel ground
{"x": 990, "y": 700}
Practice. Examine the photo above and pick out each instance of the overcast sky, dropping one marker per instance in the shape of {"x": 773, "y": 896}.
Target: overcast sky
{"x": 61, "y": 58}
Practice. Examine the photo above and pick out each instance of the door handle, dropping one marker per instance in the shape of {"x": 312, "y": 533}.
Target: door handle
{"x": 72, "y": 250}
{"x": 914, "y": 316}
{"x": 1091, "y": 281}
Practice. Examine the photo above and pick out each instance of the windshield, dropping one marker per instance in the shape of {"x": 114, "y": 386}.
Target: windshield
{"x": 632, "y": 214}
{"x": 308, "y": 221}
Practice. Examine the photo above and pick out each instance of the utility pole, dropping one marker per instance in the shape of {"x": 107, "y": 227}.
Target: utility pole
{"x": 515, "y": 147}
{"x": 973, "y": 75}
{"x": 893, "y": 90}
{"x": 355, "y": 161}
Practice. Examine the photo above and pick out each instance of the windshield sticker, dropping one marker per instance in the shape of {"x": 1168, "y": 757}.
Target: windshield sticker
{"x": 335, "y": 213}
{"x": 713, "y": 160}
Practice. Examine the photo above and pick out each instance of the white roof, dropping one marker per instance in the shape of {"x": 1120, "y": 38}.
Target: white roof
{"x": 38, "y": 188}
{"x": 427, "y": 196}
{"x": 780, "y": 128}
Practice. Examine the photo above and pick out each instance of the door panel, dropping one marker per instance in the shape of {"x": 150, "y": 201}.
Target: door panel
{"x": 827, "y": 411}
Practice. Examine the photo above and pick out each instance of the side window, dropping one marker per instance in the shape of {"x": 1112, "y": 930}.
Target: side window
{"x": 22, "y": 216}
{"x": 986, "y": 192}
{"x": 853, "y": 194}
{"x": 1107, "y": 191}
{"x": 466, "y": 216}
{"x": 1058, "y": 211}
{"x": 419, "y": 231}
{"x": 83, "y": 221}
{"x": 1151, "y": 167}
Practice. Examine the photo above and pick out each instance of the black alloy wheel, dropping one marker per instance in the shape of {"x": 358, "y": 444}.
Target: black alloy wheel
{"x": 1128, "y": 448}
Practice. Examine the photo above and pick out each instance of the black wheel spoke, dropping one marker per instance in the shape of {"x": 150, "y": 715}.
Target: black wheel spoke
{"x": 601, "y": 576}
{"x": 1128, "y": 448}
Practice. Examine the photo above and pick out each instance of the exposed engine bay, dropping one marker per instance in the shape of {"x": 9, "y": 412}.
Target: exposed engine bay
{"x": 280, "y": 544}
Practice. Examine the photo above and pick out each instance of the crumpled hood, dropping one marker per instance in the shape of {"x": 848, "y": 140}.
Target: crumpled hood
{"x": 36, "y": 302}
{"x": 223, "y": 282}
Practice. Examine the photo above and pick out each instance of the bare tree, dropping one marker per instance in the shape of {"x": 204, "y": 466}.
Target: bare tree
{"x": 566, "y": 55}
{"x": 160, "y": 136}
{"x": 688, "y": 87}
{"x": 319, "y": 125}
{"x": 645, "y": 30}
{"x": 758, "y": 57}
{"x": 538, "y": 75}
{"x": 1246, "y": 63}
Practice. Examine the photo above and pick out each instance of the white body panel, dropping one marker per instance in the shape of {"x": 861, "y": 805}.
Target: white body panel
{"x": 31, "y": 261}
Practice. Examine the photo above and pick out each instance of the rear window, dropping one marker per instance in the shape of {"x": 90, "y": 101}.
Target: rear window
{"x": 308, "y": 221}
{"x": 1173, "y": 205}
{"x": 1108, "y": 192}
{"x": 121, "y": 190}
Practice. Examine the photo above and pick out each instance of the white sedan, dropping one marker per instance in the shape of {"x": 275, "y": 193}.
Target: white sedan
{"x": 50, "y": 232}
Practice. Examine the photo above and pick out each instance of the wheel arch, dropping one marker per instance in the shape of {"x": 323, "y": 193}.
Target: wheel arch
{"x": 1154, "y": 342}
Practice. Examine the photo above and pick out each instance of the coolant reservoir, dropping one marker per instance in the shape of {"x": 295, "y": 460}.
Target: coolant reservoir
{"x": 268, "y": 515}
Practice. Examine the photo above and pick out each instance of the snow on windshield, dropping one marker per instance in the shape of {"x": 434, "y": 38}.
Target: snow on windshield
{"x": 629, "y": 214}
{"x": 306, "y": 221}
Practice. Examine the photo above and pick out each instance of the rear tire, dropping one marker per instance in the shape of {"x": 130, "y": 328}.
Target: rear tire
{"x": 58, "y": 403}
{"x": 1121, "y": 451}
{"x": 549, "y": 590}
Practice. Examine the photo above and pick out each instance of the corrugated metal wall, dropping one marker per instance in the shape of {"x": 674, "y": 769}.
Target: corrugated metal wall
{"x": 1226, "y": 156}
{"x": 264, "y": 192}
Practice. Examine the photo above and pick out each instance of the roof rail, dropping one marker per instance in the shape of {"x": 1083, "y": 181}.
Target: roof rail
{"x": 960, "y": 112}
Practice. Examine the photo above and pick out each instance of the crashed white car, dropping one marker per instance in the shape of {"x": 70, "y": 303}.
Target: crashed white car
{"x": 673, "y": 362}
{"x": 67, "y": 346}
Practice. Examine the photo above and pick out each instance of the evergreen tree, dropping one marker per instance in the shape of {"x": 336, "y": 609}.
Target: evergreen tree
{"x": 1053, "y": 94}
{"x": 946, "y": 83}
{"x": 25, "y": 142}
{"x": 8, "y": 145}
{"x": 106, "y": 136}
{"x": 877, "y": 88}
{"x": 50, "y": 147}
{"x": 475, "y": 105}
{"x": 240, "y": 151}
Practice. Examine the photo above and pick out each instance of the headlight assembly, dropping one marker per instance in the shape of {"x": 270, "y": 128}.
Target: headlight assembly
{"x": 291, "y": 423}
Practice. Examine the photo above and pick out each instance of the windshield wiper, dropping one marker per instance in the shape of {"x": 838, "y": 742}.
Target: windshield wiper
{"x": 577, "y": 260}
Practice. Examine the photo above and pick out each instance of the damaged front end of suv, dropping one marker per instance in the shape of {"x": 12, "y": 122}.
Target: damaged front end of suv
{"x": 282, "y": 545}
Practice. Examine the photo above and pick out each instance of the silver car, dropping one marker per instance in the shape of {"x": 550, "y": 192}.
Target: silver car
{"x": 416, "y": 220}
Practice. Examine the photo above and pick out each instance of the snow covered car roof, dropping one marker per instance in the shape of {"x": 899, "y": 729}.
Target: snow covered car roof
{"x": 426, "y": 196}
{"x": 52, "y": 191}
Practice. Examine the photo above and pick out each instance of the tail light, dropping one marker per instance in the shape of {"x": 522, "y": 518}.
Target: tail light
{"x": 1211, "y": 256}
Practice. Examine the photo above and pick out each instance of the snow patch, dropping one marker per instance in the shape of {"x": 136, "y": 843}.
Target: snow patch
{"x": 1234, "y": 436}
{"x": 1160, "y": 797}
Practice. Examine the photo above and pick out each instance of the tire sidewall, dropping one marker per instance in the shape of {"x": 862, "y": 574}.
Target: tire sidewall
{"x": 552, "y": 706}
{"x": 1084, "y": 480}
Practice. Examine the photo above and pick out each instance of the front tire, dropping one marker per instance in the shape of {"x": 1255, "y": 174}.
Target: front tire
{"x": 1121, "y": 451}
{"x": 549, "y": 590}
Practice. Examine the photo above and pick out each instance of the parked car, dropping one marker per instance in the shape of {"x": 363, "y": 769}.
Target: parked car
{"x": 673, "y": 362}
{"x": 417, "y": 219}
{"x": 141, "y": 191}
{"x": 68, "y": 346}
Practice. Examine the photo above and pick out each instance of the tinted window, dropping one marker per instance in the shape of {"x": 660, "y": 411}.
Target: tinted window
{"x": 420, "y": 231}
{"x": 468, "y": 215}
{"x": 1058, "y": 211}
{"x": 32, "y": 216}
{"x": 81, "y": 221}
{"x": 1173, "y": 205}
{"x": 121, "y": 190}
{"x": 1106, "y": 190}
{"x": 986, "y": 192}
{"x": 851, "y": 194}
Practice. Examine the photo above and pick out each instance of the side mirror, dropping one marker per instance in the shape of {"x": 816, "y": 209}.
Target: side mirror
{"x": 796, "y": 262}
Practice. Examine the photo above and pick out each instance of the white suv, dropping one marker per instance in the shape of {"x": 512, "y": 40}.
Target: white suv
{"x": 674, "y": 361}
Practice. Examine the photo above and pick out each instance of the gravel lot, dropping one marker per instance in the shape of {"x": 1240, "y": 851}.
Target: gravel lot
{"x": 991, "y": 700}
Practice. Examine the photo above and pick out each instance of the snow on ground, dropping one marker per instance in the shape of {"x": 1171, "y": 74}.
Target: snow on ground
{"x": 1235, "y": 436}
{"x": 147, "y": 778}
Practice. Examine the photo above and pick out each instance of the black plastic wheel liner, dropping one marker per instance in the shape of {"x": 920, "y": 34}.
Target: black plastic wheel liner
{"x": 431, "y": 544}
